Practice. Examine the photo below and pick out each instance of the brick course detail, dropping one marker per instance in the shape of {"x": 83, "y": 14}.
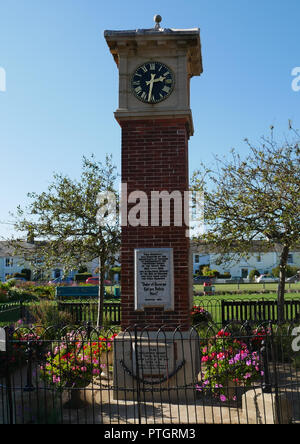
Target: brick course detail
{"x": 155, "y": 158}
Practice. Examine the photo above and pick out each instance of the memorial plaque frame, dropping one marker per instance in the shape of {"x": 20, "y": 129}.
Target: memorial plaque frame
{"x": 157, "y": 289}
{"x": 155, "y": 359}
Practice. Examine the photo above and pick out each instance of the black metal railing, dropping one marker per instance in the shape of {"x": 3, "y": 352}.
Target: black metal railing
{"x": 244, "y": 373}
{"x": 259, "y": 310}
{"x": 219, "y": 311}
{"x": 82, "y": 312}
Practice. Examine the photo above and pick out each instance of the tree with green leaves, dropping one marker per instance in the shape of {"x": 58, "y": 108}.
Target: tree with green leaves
{"x": 65, "y": 222}
{"x": 251, "y": 199}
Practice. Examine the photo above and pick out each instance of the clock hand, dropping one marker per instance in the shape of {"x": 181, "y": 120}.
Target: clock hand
{"x": 150, "y": 82}
{"x": 160, "y": 79}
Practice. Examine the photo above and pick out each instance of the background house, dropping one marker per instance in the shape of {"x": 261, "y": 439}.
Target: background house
{"x": 263, "y": 260}
{"x": 10, "y": 264}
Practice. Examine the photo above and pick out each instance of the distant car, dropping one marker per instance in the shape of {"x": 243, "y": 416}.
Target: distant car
{"x": 16, "y": 279}
{"x": 201, "y": 279}
{"x": 60, "y": 280}
{"x": 95, "y": 281}
{"x": 293, "y": 279}
{"x": 265, "y": 279}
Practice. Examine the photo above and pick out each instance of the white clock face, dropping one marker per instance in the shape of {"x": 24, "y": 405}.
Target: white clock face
{"x": 152, "y": 82}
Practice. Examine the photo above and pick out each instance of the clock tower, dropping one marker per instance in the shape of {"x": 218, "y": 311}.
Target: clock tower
{"x": 155, "y": 69}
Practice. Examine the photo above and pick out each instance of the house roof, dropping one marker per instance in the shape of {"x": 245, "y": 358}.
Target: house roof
{"x": 202, "y": 247}
{"x": 7, "y": 249}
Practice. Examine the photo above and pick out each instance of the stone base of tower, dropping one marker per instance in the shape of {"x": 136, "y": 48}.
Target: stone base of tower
{"x": 156, "y": 366}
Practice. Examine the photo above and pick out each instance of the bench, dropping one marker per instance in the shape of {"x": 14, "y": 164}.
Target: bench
{"x": 79, "y": 292}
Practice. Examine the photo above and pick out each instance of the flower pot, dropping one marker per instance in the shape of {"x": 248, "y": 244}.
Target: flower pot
{"x": 106, "y": 359}
{"x": 76, "y": 399}
{"x": 232, "y": 390}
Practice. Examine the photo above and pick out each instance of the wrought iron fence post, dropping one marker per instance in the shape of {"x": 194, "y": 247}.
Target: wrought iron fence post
{"x": 248, "y": 334}
{"x": 267, "y": 385}
{"x": 138, "y": 388}
{"x": 88, "y": 329}
{"x": 8, "y": 380}
{"x": 22, "y": 312}
{"x": 29, "y": 387}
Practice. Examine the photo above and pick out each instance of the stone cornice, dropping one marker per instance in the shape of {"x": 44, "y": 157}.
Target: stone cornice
{"x": 175, "y": 39}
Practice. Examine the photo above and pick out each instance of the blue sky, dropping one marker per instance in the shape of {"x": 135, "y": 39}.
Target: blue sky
{"x": 62, "y": 81}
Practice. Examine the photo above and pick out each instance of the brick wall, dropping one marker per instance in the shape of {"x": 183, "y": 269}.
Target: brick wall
{"x": 155, "y": 158}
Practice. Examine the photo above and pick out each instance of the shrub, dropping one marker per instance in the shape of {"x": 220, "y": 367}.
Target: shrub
{"x": 3, "y": 294}
{"x": 252, "y": 275}
{"x": 27, "y": 273}
{"x": 17, "y": 356}
{"x": 200, "y": 315}
{"x": 82, "y": 277}
{"x": 206, "y": 271}
{"x": 290, "y": 271}
{"x": 74, "y": 363}
{"x": 227, "y": 360}
{"x": 47, "y": 314}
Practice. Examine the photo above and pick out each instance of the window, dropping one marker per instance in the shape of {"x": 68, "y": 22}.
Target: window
{"x": 244, "y": 273}
{"x": 290, "y": 259}
{"x": 9, "y": 262}
{"x": 197, "y": 259}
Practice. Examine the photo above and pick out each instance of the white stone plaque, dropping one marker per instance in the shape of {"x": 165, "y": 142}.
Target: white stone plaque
{"x": 154, "y": 359}
{"x": 2, "y": 340}
{"x": 154, "y": 278}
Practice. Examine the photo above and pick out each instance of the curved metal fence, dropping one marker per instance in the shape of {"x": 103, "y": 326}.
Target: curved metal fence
{"x": 243, "y": 373}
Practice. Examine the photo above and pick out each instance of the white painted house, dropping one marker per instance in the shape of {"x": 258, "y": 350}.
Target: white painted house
{"x": 263, "y": 261}
{"x": 10, "y": 264}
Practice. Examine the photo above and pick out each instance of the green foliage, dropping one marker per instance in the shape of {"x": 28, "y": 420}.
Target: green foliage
{"x": 82, "y": 277}
{"x": 3, "y": 294}
{"x": 227, "y": 361}
{"x": 17, "y": 354}
{"x": 206, "y": 271}
{"x": 26, "y": 273}
{"x": 254, "y": 198}
{"x": 201, "y": 267}
{"x": 16, "y": 275}
{"x": 46, "y": 314}
{"x": 74, "y": 363}
{"x": 200, "y": 316}
{"x": 290, "y": 271}
{"x": 252, "y": 275}
{"x": 66, "y": 219}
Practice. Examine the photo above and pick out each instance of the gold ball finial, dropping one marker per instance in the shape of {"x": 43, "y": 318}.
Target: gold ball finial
{"x": 157, "y": 19}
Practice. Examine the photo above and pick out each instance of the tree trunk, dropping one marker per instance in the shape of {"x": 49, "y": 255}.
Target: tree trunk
{"x": 281, "y": 285}
{"x": 100, "y": 293}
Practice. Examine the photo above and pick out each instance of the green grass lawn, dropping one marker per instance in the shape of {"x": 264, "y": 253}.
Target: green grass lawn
{"x": 211, "y": 303}
{"x": 249, "y": 287}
